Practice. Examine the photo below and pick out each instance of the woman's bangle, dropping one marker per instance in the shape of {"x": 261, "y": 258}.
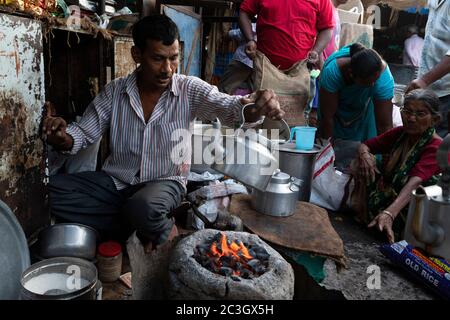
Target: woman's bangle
{"x": 389, "y": 214}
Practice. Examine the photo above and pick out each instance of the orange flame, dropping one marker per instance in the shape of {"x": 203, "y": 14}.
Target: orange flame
{"x": 237, "y": 251}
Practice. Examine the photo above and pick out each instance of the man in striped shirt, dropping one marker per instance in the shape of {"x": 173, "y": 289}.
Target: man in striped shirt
{"x": 140, "y": 183}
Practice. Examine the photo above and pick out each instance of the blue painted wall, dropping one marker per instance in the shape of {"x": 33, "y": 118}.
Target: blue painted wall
{"x": 187, "y": 26}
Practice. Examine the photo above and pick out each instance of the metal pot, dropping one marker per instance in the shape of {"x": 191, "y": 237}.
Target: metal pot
{"x": 295, "y": 162}
{"x": 68, "y": 240}
{"x": 202, "y": 139}
{"x": 62, "y": 278}
{"x": 280, "y": 197}
{"x": 428, "y": 223}
{"x": 245, "y": 159}
{"x": 299, "y": 164}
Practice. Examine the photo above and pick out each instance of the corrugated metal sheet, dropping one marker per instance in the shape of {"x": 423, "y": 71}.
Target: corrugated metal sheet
{"x": 21, "y": 100}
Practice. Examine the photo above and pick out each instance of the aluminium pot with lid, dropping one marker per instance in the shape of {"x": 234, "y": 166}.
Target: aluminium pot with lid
{"x": 299, "y": 164}
{"x": 280, "y": 197}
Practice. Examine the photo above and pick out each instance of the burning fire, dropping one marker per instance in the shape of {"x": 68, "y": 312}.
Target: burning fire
{"x": 232, "y": 258}
{"x": 237, "y": 252}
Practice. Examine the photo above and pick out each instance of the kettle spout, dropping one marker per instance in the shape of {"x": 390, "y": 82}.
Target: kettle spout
{"x": 422, "y": 229}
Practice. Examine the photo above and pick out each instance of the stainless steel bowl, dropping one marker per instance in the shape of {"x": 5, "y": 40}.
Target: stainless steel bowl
{"x": 68, "y": 240}
{"x": 53, "y": 279}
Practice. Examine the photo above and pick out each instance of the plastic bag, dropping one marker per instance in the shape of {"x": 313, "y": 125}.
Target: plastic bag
{"x": 328, "y": 185}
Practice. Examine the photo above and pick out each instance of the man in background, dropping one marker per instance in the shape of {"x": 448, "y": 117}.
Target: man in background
{"x": 413, "y": 47}
{"x": 239, "y": 71}
{"x": 434, "y": 68}
{"x": 288, "y": 31}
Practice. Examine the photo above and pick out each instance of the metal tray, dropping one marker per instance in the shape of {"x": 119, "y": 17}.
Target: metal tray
{"x": 14, "y": 254}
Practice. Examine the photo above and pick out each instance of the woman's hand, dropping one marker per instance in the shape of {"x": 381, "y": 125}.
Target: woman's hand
{"x": 384, "y": 222}
{"x": 367, "y": 165}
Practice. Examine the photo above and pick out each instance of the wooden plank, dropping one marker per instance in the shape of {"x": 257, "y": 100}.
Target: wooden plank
{"x": 309, "y": 229}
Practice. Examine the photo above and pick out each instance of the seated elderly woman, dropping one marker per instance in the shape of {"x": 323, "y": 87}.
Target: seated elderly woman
{"x": 382, "y": 189}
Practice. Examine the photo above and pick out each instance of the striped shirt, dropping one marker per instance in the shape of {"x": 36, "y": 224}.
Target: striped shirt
{"x": 437, "y": 44}
{"x": 140, "y": 151}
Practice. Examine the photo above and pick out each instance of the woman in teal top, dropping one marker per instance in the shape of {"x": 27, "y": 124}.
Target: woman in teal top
{"x": 356, "y": 89}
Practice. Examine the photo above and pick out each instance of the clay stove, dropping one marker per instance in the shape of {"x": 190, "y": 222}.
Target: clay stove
{"x": 212, "y": 264}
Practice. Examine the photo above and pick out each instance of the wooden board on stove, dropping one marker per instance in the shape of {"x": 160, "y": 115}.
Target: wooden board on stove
{"x": 308, "y": 229}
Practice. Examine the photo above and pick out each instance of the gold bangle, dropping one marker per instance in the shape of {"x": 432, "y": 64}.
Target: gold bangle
{"x": 389, "y": 214}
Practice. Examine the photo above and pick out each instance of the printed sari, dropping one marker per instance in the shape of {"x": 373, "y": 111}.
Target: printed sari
{"x": 380, "y": 193}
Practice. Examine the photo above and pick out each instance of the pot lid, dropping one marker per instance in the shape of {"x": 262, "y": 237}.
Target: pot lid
{"x": 280, "y": 178}
{"x": 14, "y": 257}
{"x": 290, "y": 147}
{"x": 109, "y": 249}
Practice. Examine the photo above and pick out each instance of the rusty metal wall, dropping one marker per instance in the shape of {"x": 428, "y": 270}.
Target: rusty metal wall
{"x": 21, "y": 100}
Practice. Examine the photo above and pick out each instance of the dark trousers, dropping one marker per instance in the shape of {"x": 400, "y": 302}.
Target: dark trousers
{"x": 91, "y": 198}
{"x": 236, "y": 75}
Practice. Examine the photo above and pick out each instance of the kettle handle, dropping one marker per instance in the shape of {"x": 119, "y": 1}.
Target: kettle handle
{"x": 253, "y": 104}
{"x": 243, "y": 115}
{"x": 298, "y": 183}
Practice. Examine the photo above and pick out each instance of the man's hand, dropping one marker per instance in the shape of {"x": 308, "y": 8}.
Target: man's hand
{"x": 384, "y": 223}
{"x": 416, "y": 84}
{"x": 55, "y": 130}
{"x": 250, "y": 49}
{"x": 314, "y": 59}
{"x": 267, "y": 104}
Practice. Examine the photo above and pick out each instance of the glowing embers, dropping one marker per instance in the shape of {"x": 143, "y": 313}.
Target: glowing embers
{"x": 232, "y": 258}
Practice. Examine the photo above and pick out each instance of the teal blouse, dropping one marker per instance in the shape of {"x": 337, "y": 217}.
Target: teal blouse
{"x": 355, "y": 117}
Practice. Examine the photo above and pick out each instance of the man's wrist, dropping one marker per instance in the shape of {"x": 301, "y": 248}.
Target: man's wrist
{"x": 319, "y": 52}
{"x": 425, "y": 80}
{"x": 67, "y": 145}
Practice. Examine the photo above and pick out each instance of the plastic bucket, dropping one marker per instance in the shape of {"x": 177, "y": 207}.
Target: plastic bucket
{"x": 304, "y": 137}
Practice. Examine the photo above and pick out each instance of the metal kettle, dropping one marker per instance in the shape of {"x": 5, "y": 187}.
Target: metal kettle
{"x": 280, "y": 197}
{"x": 244, "y": 158}
{"x": 428, "y": 221}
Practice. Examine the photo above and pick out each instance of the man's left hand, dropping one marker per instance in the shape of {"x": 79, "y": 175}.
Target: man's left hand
{"x": 266, "y": 102}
